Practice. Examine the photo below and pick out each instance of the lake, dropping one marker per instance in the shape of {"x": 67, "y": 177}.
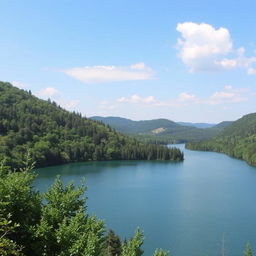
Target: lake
{"x": 195, "y": 208}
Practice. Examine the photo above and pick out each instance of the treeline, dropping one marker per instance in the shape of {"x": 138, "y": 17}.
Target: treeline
{"x": 237, "y": 140}
{"x": 54, "y": 223}
{"x": 55, "y": 136}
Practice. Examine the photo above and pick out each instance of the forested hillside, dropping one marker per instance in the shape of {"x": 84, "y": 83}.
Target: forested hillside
{"x": 162, "y": 131}
{"x": 237, "y": 140}
{"x": 54, "y": 135}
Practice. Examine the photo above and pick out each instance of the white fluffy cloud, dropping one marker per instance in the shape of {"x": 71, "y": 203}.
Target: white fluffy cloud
{"x": 184, "y": 97}
{"x": 137, "y": 99}
{"x": 227, "y": 95}
{"x": 19, "y": 84}
{"x": 103, "y": 74}
{"x": 49, "y": 92}
{"x": 57, "y": 96}
{"x": 205, "y": 48}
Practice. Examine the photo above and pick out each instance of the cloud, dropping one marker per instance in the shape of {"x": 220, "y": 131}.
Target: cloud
{"x": 138, "y": 66}
{"x": 184, "y": 96}
{"x": 239, "y": 62}
{"x": 228, "y": 95}
{"x": 251, "y": 71}
{"x": 57, "y": 96}
{"x": 104, "y": 74}
{"x": 205, "y": 48}
{"x": 49, "y": 91}
{"x": 68, "y": 104}
{"x": 19, "y": 84}
{"x": 137, "y": 99}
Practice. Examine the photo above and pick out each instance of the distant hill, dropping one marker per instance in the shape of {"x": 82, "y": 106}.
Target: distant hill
{"x": 138, "y": 127}
{"x": 223, "y": 124}
{"x": 237, "y": 139}
{"x": 197, "y": 125}
{"x": 54, "y": 135}
{"x": 160, "y": 130}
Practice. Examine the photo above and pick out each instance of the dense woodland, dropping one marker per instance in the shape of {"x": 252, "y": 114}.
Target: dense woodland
{"x": 162, "y": 131}
{"x": 55, "y": 136}
{"x": 55, "y": 223}
{"x": 237, "y": 140}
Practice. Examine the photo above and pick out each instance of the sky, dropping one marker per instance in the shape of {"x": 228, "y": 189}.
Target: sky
{"x": 192, "y": 61}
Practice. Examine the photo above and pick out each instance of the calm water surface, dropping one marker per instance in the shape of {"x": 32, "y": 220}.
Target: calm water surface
{"x": 189, "y": 208}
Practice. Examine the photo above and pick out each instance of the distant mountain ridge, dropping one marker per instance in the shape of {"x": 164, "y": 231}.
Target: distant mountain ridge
{"x": 162, "y": 130}
{"x": 237, "y": 139}
{"x": 197, "y": 125}
{"x": 129, "y": 126}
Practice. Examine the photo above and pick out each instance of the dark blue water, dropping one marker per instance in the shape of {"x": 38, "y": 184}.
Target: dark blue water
{"x": 194, "y": 208}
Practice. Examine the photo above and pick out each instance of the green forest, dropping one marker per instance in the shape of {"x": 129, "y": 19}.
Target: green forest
{"x": 55, "y": 136}
{"x": 237, "y": 140}
{"x": 54, "y": 223}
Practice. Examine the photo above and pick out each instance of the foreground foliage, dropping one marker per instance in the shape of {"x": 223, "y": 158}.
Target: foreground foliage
{"x": 56, "y": 136}
{"x": 237, "y": 140}
{"x": 54, "y": 223}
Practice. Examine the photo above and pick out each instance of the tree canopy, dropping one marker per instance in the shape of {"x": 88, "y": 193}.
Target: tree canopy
{"x": 55, "y": 136}
{"x": 237, "y": 140}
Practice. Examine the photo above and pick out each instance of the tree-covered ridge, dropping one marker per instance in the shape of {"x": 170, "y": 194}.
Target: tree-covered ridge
{"x": 162, "y": 131}
{"x": 56, "y": 136}
{"x": 54, "y": 223}
{"x": 237, "y": 140}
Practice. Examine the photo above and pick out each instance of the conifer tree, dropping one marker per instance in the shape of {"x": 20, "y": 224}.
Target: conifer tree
{"x": 133, "y": 246}
{"x": 248, "y": 250}
{"x": 160, "y": 252}
{"x": 112, "y": 245}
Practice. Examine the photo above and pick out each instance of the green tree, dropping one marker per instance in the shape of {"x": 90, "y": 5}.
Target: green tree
{"x": 65, "y": 228}
{"x": 248, "y": 250}
{"x": 160, "y": 252}
{"x": 133, "y": 246}
{"x": 8, "y": 246}
{"x": 112, "y": 245}
{"x": 19, "y": 201}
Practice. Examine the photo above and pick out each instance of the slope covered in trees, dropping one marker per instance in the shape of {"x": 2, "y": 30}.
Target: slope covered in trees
{"x": 237, "y": 140}
{"x": 161, "y": 131}
{"x": 54, "y": 135}
{"x": 54, "y": 223}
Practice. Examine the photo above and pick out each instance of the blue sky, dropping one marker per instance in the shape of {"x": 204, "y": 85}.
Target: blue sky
{"x": 182, "y": 60}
